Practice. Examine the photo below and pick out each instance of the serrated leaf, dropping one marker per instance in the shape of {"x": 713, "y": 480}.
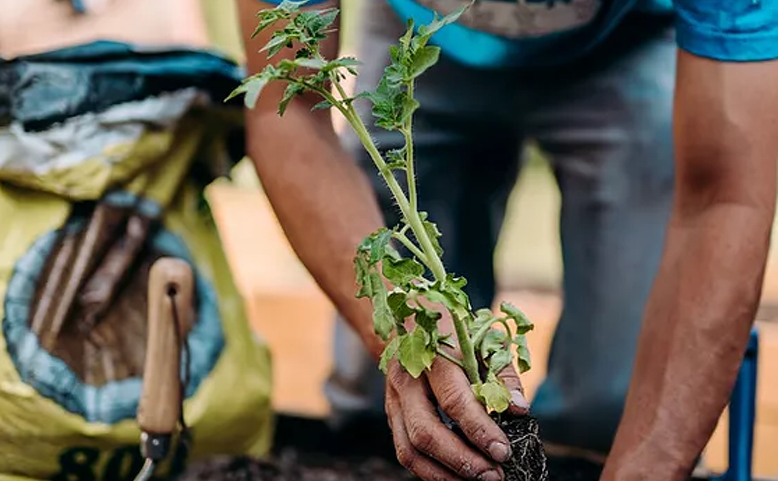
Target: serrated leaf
{"x": 435, "y": 295}
{"x": 522, "y": 323}
{"x": 398, "y": 303}
{"x": 292, "y": 90}
{"x": 362, "y": 270}
{"x": 401, "y": 272}
{"x": 405, "y": 40}
{"x": 415, "y": 354}
{"x": 278, "y": 41}
{"x": 291, "y": 6}
{"x": 482, "y": 317}
{"x": 423, "y": 59}
{"x": 428, "y": 320}
{"x": 494, "y": 341}
{"x": 312, "y": 63}
{"x": 522, "y": 354}
{"x": 376, "y": 245}
{"x": 408, "y": 107}
{"x": 427, "y": 31}
{"x": 383, "y": 319}
{"x": 389, "y": 352}
{"x": 432, "y": 232}
{"x": 499, "y": 361}
{"x": 347, "y": 63}
{"x": 495, "y": 395}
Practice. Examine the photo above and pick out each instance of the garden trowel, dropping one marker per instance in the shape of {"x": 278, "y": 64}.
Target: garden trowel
{"x": 170, "y": 292}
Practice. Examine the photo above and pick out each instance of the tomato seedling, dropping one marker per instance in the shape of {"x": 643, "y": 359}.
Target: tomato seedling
{"x": 401, "y": 288}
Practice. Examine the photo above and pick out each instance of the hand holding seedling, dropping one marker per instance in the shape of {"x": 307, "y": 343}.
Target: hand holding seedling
{"x": 413, "y": 297}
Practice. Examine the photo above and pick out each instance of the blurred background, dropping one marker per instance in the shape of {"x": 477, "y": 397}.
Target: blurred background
{"x": 284, "y": 302}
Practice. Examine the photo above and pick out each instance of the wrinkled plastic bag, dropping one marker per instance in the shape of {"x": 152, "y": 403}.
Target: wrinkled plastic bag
{"x": 105, "y": 152}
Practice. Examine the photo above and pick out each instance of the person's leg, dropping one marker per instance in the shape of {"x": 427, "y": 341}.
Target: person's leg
{"x": 466, "y": 150}
{"x": 608, "y": 134}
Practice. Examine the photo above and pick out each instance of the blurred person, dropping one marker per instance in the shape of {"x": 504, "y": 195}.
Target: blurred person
{"x": 592, "y": 82}
{"x": 112, "y": 125}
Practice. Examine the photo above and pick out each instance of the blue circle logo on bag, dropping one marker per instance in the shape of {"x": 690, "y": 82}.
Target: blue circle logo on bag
{"x": 75, "y": 309}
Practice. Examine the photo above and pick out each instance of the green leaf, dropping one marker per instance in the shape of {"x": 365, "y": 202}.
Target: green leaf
{"x": 499, "y": 361}
{"x": 432, "y": 232}
{"x": 292, "y": 90}
{"x": 398, "y": 303}
{"x": 415, "y": 354}
{"x": 423, "y": 59}
{"x": 402, "y": 272}
{"x": 291, "y": 6}
{"x": 396, "y": 159}
{"x": 348, "y": 63}
{"x": 428, "y": 320}
{"x": 279, "y": 40}
{"x": 383, "y": 319}
{"x": 389, "y": 352}
{"x": 323, "y": 105}
{"x": 522, "y": 323}
{"x": 405, "y": 40}
{"x": 408, "y": 107}
{"x": 495, "y": 395}
{"x": 312, "y": 63}
{"x": 362, "y": 270}
{"x": 427, "y": 31}
{"x": 376, "y": 245}
{"x": 494, "y": 341}
{"x": 482, "y": 317}
{"x": 522, "y": 354}
{"x": 444, "y": 296}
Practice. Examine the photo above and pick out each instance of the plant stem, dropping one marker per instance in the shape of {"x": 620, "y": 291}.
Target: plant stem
{"x": 411, "y": 247}
{"x": 435, "y": 264}
{"x": 409, "y": 160}
{"x": 469, "y": 361}
{"x": 450, "y": 358}
{"x": 429, "y": 255}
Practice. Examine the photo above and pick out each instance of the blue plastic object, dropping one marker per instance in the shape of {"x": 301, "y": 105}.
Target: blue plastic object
{"x": 742, "y": 413}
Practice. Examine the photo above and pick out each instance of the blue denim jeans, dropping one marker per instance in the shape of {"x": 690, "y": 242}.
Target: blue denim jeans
{"x": 604, "y": 124}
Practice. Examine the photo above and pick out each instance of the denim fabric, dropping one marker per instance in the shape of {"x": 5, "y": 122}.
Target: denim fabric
{"x": 605, "y": 125}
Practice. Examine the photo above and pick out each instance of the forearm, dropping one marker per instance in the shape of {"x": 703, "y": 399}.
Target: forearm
{"x": 323, "y": 201}
{"x": 700, "y": 311}
{"x": 695, "y": 332}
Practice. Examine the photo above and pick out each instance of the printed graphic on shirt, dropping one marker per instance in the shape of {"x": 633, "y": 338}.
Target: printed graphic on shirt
{"x": 520, "y": 18}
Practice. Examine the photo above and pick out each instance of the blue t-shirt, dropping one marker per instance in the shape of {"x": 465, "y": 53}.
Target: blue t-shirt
{"x": 499, "y": 33}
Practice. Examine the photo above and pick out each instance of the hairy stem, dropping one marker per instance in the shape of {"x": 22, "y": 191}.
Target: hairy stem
{"x": 429, "y": 255}
{"x": 414, "y": 220}
{"x": 411, "y": 247}
{"x": 409, "y": 160}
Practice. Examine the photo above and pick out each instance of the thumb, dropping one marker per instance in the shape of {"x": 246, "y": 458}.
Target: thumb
{"x": 519, "y": 404}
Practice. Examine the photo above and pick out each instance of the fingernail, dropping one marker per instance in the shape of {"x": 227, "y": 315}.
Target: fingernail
{"x": 519, "y": 400}
{"x": 500, "y": 452}
{"x": 490, "y": 476}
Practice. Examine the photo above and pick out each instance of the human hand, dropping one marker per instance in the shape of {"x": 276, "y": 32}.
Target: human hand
{"x": 425, "y": 445}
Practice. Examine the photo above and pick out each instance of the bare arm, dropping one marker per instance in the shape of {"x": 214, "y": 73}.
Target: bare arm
{"x": 708, "y": 287}
{"x": 322, "y": 199}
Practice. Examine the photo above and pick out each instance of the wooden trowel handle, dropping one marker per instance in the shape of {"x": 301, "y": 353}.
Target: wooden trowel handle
{"x": 160, "y": 402}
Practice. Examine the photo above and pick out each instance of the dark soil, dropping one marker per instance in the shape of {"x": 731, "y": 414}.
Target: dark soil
{"x": 291, "y": 466}
{"x": 528, "y": 462}
{"x": 306, "y": 450}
